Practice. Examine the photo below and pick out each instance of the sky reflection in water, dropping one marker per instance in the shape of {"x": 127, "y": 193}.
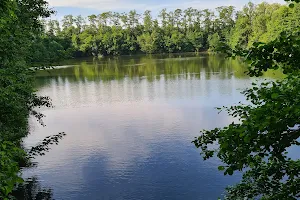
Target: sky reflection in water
{"x": 130, "y": 122}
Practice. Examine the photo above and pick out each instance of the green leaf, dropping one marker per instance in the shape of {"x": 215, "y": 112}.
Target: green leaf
{"x": 274, "y": 95}
{"x": 247, "y": 139}
{"x": 221, "y": 168}
{"x": 230, "y": 171}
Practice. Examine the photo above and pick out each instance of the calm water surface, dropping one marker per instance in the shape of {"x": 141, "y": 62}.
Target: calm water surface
{"x": 130, "y": 122}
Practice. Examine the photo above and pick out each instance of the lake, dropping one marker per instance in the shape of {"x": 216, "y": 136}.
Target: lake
{"x": 130, "y": 121}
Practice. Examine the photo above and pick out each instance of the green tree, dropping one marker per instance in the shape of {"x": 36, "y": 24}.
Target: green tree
{"x": 68, "y": 25}
{"x": 258, "y": 142}
{"x": 103, "y": 19}
{"x": 196, "y": 39}
{"x": 244, "y": 26}
{"x": 178, "y": 18}
{"x": 53, "y": 27}
{"x": 225, "y": 22}
{"x": 93, "y": 23}
{"x": 80, "y": 24}
{"x": 133, "y": 17}
{"x": 148, "y": 22}
{"x": 175, "y": 42}
{"x": 188, "y": 15}
{"x": 214, "y": 42}
{"x": 20, "y": 32}
{"x": 148, "y": 42}
{"x": 163, "y": 17}
{"x": 263, "y": 14}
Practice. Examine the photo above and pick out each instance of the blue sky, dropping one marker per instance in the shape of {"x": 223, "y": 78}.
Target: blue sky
{"x": 87, "y": 7}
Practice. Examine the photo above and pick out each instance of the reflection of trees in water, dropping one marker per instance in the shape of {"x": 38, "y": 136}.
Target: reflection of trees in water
{"x": 171, "y": 66}
{"x": 31, "y": 189}
{"x": 151, "y": 67}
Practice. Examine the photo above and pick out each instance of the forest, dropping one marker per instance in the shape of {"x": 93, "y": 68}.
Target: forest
{"x": 189, "y": 30}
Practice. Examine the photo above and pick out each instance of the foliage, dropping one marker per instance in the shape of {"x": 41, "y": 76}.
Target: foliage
{"x": 148, "y": 42}
{"x": 189, "y": 30}
{"x": 44, "y": 146}
{"x": 114, "y": 33}
{"x": 31, "y": 190}
{"x": 214, "y": 42}
{"x": 9, "y": 167}
{"x": 259, "y": 141}
{"x": 21, "y": 48}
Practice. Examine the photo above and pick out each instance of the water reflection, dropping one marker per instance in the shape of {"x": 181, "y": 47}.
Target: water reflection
{"x": 135, "y": 79}
{"x": 150, "y": 67}
{"x": 31, "y": 189}
{"x": 130, "y": 122}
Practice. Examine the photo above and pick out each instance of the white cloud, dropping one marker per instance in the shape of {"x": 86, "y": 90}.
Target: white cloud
{"x": 116, "y": 5}
{"x": 213, "y": 4}
{"x": 97, "y": 4}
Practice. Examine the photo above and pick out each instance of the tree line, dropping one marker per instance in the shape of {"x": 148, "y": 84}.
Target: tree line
{"x": 189, "y": 30}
